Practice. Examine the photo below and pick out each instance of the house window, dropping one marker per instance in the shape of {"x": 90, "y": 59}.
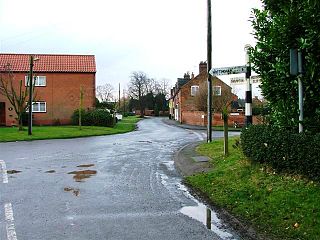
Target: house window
{"x": 194, "y": 90}
{"x": 216, "y": 90}
{"x": 39, "y": 81}
{"x": 38, "y": 107}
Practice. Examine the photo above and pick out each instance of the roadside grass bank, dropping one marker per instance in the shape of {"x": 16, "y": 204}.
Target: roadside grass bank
{"x": 278, "y": 206}
{"x": 10, "y": 134}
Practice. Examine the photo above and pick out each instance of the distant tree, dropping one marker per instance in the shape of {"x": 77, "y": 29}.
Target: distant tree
{"x": 164, "y": 87}
{"x": 105, "y": 92}
{"x": 18, "y": 96}
{"x": 148, "y": 101}
{"x": 138, "y": 88}
{"x": 133, "y": 104}
{"x": 160, "y": 103}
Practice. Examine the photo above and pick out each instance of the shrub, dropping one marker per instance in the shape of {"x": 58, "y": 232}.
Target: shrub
{"x": 95, "y": 117}
{"x": 284, "y": 150}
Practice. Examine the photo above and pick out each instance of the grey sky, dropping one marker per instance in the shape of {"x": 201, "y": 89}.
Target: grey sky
{"x": 163, "y": 38}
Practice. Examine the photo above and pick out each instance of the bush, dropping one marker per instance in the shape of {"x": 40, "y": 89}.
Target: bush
{"x": 95, "y": 117}
{"x": 284, "y": 150}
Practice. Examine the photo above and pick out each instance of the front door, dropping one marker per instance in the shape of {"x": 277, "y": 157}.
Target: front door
{"x": 2, "y": 113}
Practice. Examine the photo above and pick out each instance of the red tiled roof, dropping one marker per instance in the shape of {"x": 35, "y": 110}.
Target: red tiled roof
{"x": 49, "y": 63}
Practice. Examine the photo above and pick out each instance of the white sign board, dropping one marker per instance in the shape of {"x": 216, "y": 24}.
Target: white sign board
{"x": 237, "y": 81}
{"x": 241, "y": 80}
{"x": 228, "y": 70}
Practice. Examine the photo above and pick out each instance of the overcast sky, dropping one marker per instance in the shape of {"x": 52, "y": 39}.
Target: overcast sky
{"x": 163, "y": 38}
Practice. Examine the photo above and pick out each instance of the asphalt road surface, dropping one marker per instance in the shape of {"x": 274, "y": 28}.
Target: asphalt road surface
{"x": 110, "y": 187}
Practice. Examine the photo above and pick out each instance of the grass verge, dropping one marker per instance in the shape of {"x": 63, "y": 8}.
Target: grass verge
{"x": 58, "y": 132}
{"x": 277, "y": 205}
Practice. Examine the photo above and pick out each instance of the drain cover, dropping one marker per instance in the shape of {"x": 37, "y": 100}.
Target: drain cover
{"x": 201, "y": 159}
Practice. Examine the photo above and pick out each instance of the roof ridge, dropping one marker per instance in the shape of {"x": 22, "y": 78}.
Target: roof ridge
{"x": 47, "y": 54}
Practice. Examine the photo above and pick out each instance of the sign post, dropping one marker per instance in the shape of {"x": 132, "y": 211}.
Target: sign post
{"x": 237, "y": 70}
{"x": 228, "y": 70}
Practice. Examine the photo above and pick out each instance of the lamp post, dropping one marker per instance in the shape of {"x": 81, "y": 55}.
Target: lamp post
{"x": 32, "y": 59}
{"x": 209, "y": 62}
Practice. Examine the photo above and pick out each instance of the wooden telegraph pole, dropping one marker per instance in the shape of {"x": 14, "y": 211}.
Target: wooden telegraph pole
{"x": 209, "y": 62}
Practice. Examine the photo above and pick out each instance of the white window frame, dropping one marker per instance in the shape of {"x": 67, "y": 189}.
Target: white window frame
{"x": 216, "y": 89}
{"x": 38, "y": 81}
{"x": 38, "y": 107}
{"x": 194, "y": 90}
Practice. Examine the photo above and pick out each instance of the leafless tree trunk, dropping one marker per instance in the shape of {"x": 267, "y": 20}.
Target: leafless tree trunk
{"x": 220, "y": 103}
{"x": 16, "y": 95}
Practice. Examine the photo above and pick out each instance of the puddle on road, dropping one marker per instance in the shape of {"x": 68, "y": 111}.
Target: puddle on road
{"x": 209, "y": 218}
{"x": 144, "y": 141}
{"x": 198, "y": 211}
{"x": 75, "y": 191}
{"x": 12, "y": 171}
{"x": 85, "y": 165}
{"x": 80, "y": 176}
{"x": 50, "y": 171}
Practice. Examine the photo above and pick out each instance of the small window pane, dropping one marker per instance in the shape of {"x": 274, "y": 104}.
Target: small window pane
{"x": 42, "y": 107}
{"x": 26, "y": 80}
{"x": 217, "y": 90}
{"x": 194, "y": 90}
{"x": 41, "y": 81}
{"x": 35, "y": 107}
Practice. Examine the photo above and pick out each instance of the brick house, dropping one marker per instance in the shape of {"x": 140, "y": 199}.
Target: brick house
{"x": 183, "y": 106}
{"x": 58, "y": 80}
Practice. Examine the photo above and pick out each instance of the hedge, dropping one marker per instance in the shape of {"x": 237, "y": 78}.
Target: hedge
{"x": 94, "y": 117}
{"x": 283, "y": 150}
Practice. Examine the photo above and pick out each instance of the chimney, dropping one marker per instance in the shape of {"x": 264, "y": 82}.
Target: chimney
{"x": 186, "y": 76}
{"x": 192, "y": 75}
{"x": 203, "y": 68}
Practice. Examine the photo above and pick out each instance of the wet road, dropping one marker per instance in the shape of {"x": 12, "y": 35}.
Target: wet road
{"x": 110, "y": 187}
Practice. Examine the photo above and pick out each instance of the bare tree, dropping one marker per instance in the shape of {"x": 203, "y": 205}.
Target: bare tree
{"x": 221, "y": 103}
{"x": 17, "y": 95}
{"x": 138, "y": 87}
{"x": 104, "y": 92}
{"x": 164, "y": 87}
{"x": 221, "y": 100}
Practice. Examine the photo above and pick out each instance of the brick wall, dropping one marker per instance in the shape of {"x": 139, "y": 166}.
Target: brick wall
{"x": 61, "y": 94}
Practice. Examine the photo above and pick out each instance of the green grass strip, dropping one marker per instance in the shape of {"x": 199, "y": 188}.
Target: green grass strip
{"x": 280, "y": 206}
{"x": 10, "y": 134}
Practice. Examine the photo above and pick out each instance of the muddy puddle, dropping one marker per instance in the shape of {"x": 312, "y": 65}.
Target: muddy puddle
{"x": 81, "y": 176}
{"x": 74, "y": 191}
{"x": 13, "y": 171}
{"x": 144, "y": 141}
{"x": 85, "y": 165}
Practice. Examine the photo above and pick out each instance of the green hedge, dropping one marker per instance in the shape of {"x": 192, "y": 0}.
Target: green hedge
{"x": 93, "y": 117}
{"x": 285, "y": 151}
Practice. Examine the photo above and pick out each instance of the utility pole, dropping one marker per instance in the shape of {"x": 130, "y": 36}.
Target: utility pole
{"x": 209, "y": 66}
{"x": 248, "y": 103}
{"x": 119, "y": 99}
{"x": 32, "y": 59}
{"x": 124, "y": 102}
{"x": 80, "y": 107}
{"x": 30, "y": 97}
